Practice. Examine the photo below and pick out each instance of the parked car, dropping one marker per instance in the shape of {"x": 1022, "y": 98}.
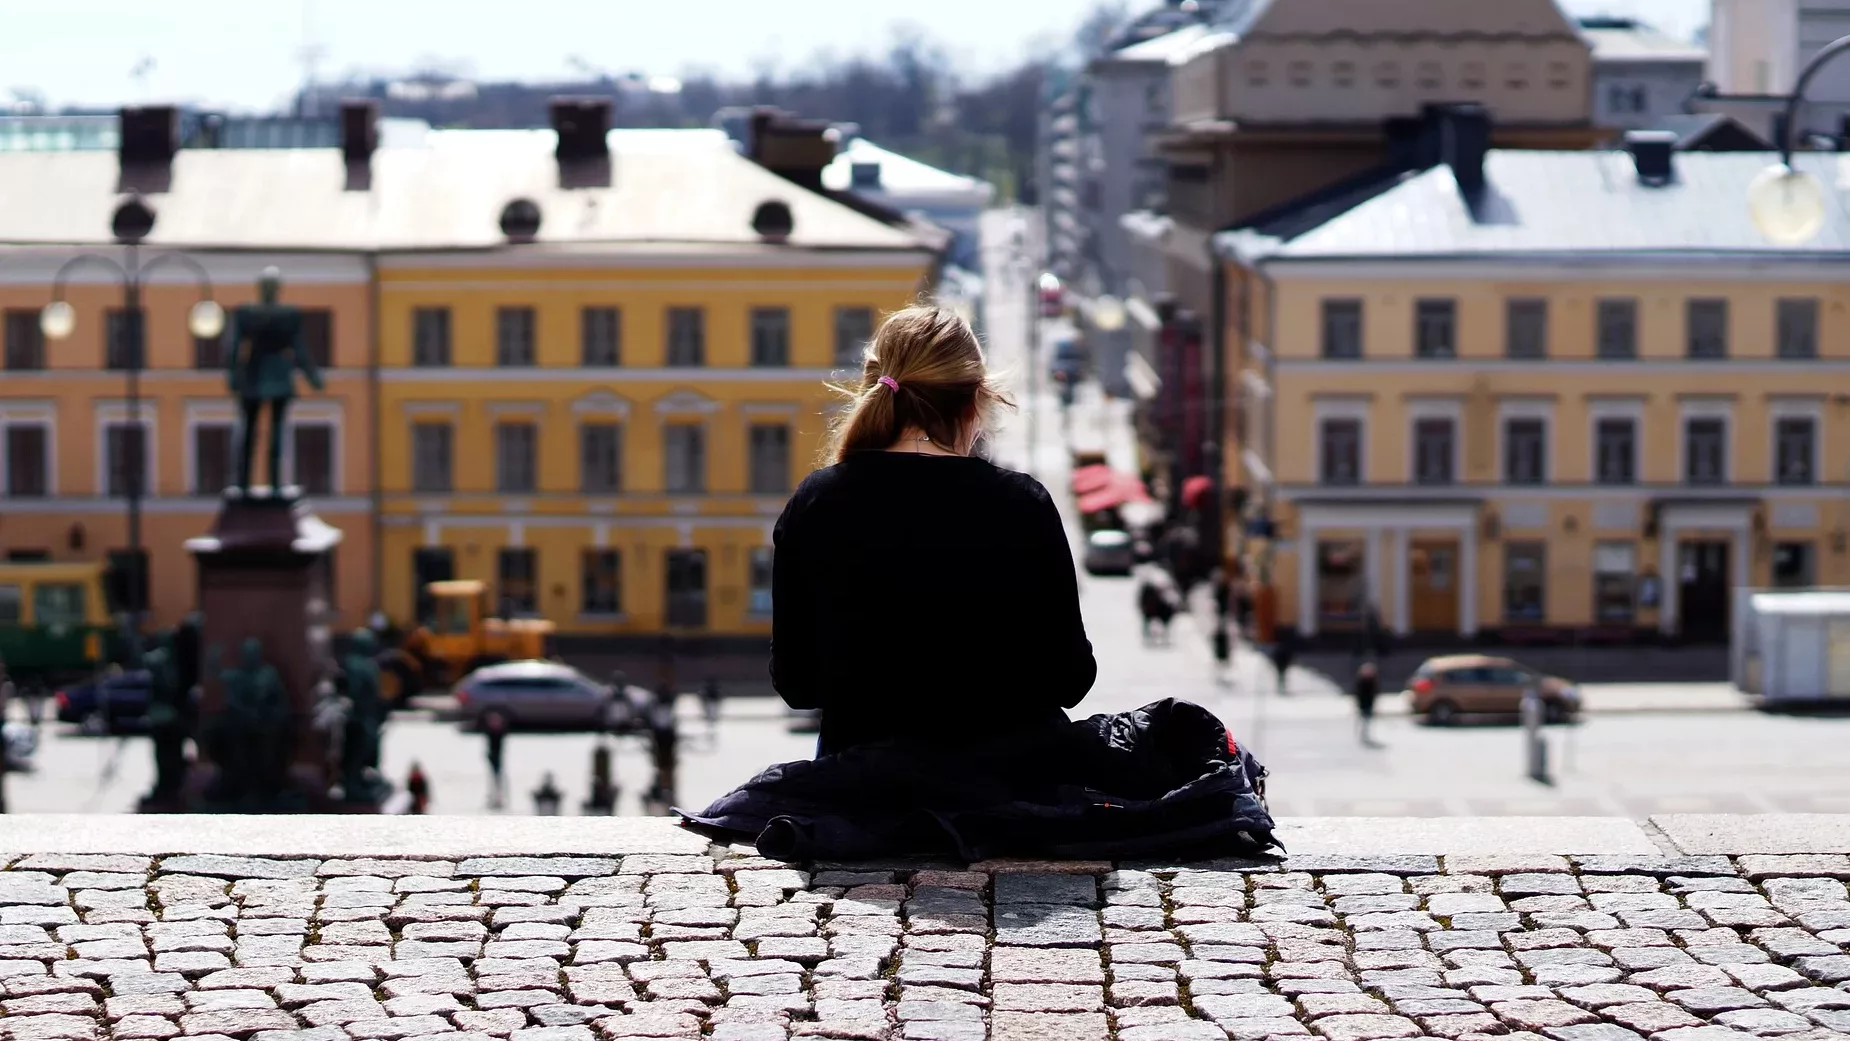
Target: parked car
{"x": 1110, "y": 552}
{"x": 1446, "y": 688}
{"x": 106, "y": 705}
{"x": 538, "y": 694}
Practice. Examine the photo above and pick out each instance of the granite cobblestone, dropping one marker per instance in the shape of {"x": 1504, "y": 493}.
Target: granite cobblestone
{"x": 729, "y": 945}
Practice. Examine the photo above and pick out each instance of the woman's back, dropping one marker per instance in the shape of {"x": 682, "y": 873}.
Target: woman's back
{"x": 927, "y": 596}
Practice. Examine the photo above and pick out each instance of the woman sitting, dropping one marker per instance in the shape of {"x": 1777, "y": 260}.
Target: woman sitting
{"x": 919, "y": 592}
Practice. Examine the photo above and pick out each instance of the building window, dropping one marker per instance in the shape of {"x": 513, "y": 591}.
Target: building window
{"x": 517, "y": 576}
{"x": 600, "y": 458}
{"x": 125, "y": 459}
{"x": 125, "y": 346}
{"x": 759, "y": 601}
{"x": 770, "y": 458}
{"x": 430, "y": 457}
{"x": 854, "y": 327}
{"x": 1615, "y": 568}
{"x": 1707, "y": 328}
{"x": 25, "y": 344}
{"x": 1435, "y": 329}
{"x": 1616, "y": 451}
{"x": 687, "y": 337}
{"x": 1795, "y": 447}
{"x": 430, "y": 336}
{"x": 28, "y": 460}
{"x": 1618, "y": 328}
{"x": 1342, "y": 328}
{"x": 770, "y": 336}
{"x": 1705, "y": 451}
{"x": 600, "y": 331}
{"x": 209, "y": 351}
{"x": 1434, "y": 447}
{"x": 684, "y": 458}
{"x": 1525, "y": 451}
{"x": 1792, "y": 565}
{"x": 318, "y": 336}
{"x": 1341, "y": 452}
{"x": 1525, "y": 582}
{"x": 1342, "y": 587}
{"x": 212, "y": 458}
{"x": 1526, "y": 329}
{"x": 514, "y": 332}
{"x": 1798, "y": 328}
{"x": 686, "y": 587}
{"x": 311, "y": 445}
{"x": 516, "y": 456}
{"x": 601, "y": 584}
{"x": 433, "y": 564}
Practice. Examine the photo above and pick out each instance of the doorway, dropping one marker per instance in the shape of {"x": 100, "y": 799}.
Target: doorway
{"x": 1702, "y": 590}
{"x": 687, "y": 588}
{"x": 1433, "y": 585}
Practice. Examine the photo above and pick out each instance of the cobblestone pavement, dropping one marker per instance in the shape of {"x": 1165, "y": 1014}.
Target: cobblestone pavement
{"x": 726, "y": 945}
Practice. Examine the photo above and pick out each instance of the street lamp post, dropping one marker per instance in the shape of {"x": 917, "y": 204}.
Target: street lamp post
{"x": 1789, "y": 205}
{"x": 131, "y": 224}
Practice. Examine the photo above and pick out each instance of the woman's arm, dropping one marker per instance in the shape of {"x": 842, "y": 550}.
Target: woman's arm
{"x": 1069, "y": 666}
{"x": 794, "y": 668}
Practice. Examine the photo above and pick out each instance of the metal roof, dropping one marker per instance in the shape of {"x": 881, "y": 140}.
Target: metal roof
{"x": 1583, "y": 203}
{"x": 666, "y": 187}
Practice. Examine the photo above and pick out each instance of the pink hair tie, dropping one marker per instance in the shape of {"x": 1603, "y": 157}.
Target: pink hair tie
{"x": 891, "y": 383}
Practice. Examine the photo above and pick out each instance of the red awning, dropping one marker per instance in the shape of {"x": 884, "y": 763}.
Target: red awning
{"x": 1196, "y": 489}
{"x": 1122, "y": 489}
{"x": 1089, "y": 479}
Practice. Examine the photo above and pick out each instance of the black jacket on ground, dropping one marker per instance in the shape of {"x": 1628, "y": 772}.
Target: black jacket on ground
{"x": 1164, "y": 780}
{"x": 925, "y": 596}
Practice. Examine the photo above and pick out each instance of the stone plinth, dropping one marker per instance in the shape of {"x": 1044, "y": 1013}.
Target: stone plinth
{"x": 264, "y": 574}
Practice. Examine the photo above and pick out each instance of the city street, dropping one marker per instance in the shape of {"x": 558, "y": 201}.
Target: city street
{"x": 1642, "y": 748}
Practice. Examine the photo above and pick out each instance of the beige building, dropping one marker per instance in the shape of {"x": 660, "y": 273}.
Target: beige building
{"x": 1544, "y": 396}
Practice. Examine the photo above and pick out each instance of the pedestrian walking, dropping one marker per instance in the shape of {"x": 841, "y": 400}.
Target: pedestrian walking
{"x": 494, "y": 729}
{"x": 1367, "y": 686}
{"x": 1157, "y": 606}
{"x": 418, "y": 787}
{"x": 709, "y": 705}
{"x": 1284, "y": 651}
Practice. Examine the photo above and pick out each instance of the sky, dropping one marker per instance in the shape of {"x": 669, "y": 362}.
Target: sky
{"x": 250, "y": 54}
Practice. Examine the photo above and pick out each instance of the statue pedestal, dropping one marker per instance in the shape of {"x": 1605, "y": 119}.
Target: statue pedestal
{"x": 264, "y": 573}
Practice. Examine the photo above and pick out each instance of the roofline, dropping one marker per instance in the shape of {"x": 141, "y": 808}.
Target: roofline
{"x": 698, "y": 249}
{"x": 1567, "y": 256}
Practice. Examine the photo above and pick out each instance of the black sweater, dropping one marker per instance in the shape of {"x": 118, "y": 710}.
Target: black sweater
{"x": 919, "y": 596}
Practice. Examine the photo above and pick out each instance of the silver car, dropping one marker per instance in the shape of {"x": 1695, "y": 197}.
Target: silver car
{"x": 539, "y": 694}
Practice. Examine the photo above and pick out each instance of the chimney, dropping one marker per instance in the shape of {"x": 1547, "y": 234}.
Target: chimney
{"x": 583, "y": 126}
{"x": 1464, "y": 139}
{"x": 1652, "y": 155}
{"x": 150, "y": 135}
{"x": 794, "y": 149}
{"x": 359, "y": 129}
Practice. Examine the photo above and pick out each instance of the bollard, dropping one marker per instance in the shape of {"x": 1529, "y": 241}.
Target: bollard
{"x": 1536, "y": 744}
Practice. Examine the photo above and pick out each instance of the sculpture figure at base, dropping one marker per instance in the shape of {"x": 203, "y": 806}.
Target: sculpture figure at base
{"x": 249, "y": 737}
{"x": 360, "y": 779}
{"x": 169, "y": 722}
{"x": 265, "y": 371}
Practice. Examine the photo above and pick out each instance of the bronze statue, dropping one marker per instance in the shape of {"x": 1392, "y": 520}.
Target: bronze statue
{"x": 168, "y": 724}
{"x": 266, "y": 371}
{"x": 360, "y": 780}
{"x": 249, "y": 736}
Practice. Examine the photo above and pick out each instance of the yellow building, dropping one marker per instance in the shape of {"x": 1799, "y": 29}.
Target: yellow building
{"x": 1543, "y": 395}
{"x": 72, "y": 442}
{"x": 587, "y": 367}
{"x": 602, "y": 420}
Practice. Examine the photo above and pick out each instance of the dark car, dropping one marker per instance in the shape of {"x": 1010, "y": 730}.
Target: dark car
{"x": 108, "y": 705}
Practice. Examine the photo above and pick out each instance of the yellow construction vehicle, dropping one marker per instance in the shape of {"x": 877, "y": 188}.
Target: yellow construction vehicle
{"x": 458, "y": 638}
